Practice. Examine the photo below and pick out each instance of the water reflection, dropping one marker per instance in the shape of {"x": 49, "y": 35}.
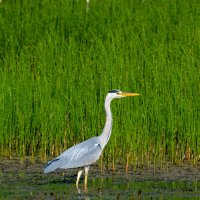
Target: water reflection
{"x": 83, "y": 194}
{"x": 125, "y": 187}
{"x": 89, "y": 193}
{"x": 110, "y": 186}
{"x": 130, "y": 188}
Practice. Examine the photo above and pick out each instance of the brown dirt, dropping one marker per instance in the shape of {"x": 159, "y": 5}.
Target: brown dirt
{"x": 14, "y": 170}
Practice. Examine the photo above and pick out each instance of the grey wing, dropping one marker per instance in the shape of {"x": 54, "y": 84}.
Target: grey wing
{"x": 82, "y": 154}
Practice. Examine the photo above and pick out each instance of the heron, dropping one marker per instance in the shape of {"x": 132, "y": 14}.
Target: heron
{"x": 84, "y": 154}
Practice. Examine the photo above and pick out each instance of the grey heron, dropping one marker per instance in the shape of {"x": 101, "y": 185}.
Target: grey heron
{"x": 88, "y": 152}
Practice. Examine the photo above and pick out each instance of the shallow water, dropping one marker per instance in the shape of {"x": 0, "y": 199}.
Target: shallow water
{"x": 27, "y": 181}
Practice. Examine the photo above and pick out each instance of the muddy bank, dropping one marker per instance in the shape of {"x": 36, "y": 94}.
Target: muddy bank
{"x": 26, "y": 180}
{"x": 16, "y": 169}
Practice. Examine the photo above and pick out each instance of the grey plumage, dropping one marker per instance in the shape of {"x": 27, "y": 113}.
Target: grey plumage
{"x": 80, "y": 155}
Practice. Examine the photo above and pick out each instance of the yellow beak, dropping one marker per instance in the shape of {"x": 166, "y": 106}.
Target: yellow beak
{"x": 128, "y": 94}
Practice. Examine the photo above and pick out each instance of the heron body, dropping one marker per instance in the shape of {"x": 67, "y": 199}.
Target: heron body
{"x": 88, "y": 152}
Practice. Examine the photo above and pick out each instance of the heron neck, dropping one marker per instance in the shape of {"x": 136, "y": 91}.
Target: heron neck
{"x": 105, "y": 136}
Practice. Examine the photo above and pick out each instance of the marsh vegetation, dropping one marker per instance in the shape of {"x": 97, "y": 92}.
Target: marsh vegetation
{"x": 58, "y": 61}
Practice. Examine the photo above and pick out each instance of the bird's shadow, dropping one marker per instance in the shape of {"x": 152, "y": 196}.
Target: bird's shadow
{"x": 71, "y": 180}
{"x": 67, "y": 179}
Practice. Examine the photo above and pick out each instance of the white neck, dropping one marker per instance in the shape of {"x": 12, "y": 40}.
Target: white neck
{"x": 105, "y": 136}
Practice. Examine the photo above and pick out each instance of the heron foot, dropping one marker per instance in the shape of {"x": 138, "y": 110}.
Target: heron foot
{"x": 78, "y": 190}
{"x": 85, "y": 189}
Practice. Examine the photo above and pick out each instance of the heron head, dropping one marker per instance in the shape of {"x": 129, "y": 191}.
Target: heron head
{"x": 119, "y": 94}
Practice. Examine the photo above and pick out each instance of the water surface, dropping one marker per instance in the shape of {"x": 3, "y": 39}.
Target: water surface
{"x": 27, "y": 181}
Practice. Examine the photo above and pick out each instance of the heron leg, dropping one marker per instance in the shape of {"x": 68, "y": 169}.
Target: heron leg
{"x": 78, "y": 177}
{"x": 86, "y": 177}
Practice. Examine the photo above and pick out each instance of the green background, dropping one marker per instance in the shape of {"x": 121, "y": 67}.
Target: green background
{"x": 59, "y": 59}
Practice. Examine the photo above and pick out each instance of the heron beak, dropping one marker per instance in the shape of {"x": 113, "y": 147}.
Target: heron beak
{"x": 128, "y": 94}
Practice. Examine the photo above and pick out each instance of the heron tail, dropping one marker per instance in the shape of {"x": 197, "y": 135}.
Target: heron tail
{"x": 51, "y": 166}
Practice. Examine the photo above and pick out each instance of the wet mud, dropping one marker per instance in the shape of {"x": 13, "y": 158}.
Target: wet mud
{"x": 26, "y": 180}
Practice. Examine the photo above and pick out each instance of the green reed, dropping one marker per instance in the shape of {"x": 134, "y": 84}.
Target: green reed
{"x": 58, "y": 61}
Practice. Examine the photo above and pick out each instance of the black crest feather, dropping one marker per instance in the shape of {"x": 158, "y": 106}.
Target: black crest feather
{"x": 114, "y": 91}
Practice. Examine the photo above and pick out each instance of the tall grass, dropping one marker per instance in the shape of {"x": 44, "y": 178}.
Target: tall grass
{"x": 58, "y": 61}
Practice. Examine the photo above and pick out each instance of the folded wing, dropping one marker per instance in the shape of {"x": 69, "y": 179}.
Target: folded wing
{"x": 80, "y": 155}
